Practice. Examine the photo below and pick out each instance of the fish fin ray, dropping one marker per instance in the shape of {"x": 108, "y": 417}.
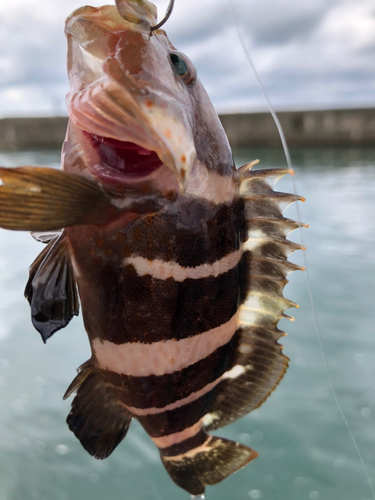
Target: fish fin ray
{"x": 45, "y": 236}
{"x": 267, "y": 248}
{"x": 258, "y": 367}
{"x": 97, "y": 418}
{"x": 83, "y": 372}
{"x": 217, "y": 460}
{"x": 42, "y": 199}
{"x": 51, "y": 289}
{"x": 259, "y": 363}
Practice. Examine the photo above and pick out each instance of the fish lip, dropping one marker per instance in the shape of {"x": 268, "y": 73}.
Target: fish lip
{"x": 140, "y": 127}
{"x": 122, "y": 160}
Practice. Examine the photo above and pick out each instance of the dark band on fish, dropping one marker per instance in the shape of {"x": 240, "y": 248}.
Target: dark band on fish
{"x": 154, "y": 391}
{"x": 183, "y": 309}
{"x": 179, "y": 237}
{"x": 126, "y": 310}
{"x": 260, "y": 352}
{"x": 178, "y": 419}
{"x": 185, "y": 446}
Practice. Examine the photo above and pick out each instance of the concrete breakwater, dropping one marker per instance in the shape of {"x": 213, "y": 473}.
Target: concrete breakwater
{"x": 340, "y": 127}
{"x": 32, "y": 133}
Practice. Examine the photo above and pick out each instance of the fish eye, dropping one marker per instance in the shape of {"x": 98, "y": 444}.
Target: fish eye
{"x": 179, "y": 64}
{"x": 182, "y": 68}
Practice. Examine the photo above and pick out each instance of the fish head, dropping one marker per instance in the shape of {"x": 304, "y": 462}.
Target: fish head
{"x": 138, "y": 112}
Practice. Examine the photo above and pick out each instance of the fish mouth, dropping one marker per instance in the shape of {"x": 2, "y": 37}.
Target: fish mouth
{"x": 123, "y": 158}
{"x": 126, "y": 142}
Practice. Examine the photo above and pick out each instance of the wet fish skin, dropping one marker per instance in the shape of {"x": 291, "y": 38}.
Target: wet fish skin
{"x": 180, "y": 264}
{"x": 139, "y": 323}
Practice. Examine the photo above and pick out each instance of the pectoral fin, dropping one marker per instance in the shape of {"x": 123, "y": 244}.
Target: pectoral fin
{"x": 45, "y": 199}
{"x": 51, "y": 289}
{"x": 42, "y": 199}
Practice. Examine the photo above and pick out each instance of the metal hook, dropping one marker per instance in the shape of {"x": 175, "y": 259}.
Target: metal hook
{"x": 166, "y": 17}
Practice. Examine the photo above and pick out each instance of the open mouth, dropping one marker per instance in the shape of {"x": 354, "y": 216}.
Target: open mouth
{"x": 126, "y": 158}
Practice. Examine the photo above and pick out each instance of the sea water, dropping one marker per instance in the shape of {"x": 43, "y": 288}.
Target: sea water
{"x": 304, "y": 448}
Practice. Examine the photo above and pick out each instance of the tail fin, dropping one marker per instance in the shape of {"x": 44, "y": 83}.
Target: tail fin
{"x": 209, "y": 464}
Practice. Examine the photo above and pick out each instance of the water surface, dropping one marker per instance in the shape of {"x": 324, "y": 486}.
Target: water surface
{"x": 304, "y": 448}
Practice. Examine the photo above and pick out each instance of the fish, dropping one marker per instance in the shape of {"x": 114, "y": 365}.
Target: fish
{"x": 177, "y": 259}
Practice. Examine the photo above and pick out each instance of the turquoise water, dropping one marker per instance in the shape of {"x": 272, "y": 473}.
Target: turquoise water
{"x": 304, "y": 448}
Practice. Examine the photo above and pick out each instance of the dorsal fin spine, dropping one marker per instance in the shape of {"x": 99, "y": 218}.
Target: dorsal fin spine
{"x": 259, "y": 358}
{"x": 267, "y": 246}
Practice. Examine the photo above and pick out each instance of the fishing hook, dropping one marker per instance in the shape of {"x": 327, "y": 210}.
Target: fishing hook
{"x": 166, "y": 17}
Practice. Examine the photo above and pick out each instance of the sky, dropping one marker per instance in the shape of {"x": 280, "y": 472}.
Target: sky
{"x": 309, "y": 53}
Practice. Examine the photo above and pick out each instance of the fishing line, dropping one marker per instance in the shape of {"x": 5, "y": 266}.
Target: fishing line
{"x": 243, "y": 40}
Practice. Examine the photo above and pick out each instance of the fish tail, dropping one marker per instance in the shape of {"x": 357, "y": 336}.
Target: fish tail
{"x": 207, "y": 464}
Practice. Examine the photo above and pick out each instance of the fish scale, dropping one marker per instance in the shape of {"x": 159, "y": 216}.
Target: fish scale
{"x": 180, "y": 265}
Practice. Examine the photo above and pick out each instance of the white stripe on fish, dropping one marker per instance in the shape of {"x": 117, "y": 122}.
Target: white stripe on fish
{"x": 161, "y": 358}
{"x": 177, "y": 437}
{"x": 204, "y": 447}
{"x": 162, "y": 270}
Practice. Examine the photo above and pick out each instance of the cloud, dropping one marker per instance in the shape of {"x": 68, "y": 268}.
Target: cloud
{"x": 277, "y": 22}
{"x": 308, "y": 53}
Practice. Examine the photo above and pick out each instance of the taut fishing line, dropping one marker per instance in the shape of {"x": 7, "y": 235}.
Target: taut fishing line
{"x": 244, "y": 43}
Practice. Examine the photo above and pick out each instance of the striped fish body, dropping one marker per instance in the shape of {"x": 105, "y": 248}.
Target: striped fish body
{"x": 181, "y": 308}
{"x": 160, "y": 301}
{"x": 180, "y": 259}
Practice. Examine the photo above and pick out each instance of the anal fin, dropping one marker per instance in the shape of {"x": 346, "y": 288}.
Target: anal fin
{"x": 97, "y": 418}
{"x": 51, "y": 289}
{"x": 209, "y": 464}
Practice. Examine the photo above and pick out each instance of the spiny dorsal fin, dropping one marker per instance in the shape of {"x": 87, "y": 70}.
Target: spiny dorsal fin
{"x": 51, "y": 289}
{"x": 259, "y": 364}
{"x": 267, "y": 247}
{"x": 97, "y": 418}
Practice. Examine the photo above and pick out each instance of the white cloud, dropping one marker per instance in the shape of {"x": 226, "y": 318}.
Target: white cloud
{"x": 307, "y": 53}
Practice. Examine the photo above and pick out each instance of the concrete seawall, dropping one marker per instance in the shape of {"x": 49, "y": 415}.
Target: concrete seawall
{"x": 32, "y": 133}
{"x": 341, "y": 127}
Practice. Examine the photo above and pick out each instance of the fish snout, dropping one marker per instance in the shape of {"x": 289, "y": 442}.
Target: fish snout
{"x": 124, "y": 87}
